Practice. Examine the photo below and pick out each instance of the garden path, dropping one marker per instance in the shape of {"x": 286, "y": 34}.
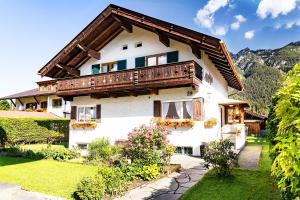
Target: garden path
{"x": 249, "y": 157}
{"x": 14, "y": 192}
{"x": 172, "y": 186}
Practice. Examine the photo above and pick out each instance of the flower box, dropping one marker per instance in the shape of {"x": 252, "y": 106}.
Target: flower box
{"x": 210, "y": 123}
{"x": 83, "y": 125}
{"x": 175, "y": 122}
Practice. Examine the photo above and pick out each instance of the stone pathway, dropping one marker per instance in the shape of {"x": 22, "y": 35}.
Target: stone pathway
{"x": 249, "y": 157}
{"x": 14, "y": 192}
{"x": 172, "y": 186}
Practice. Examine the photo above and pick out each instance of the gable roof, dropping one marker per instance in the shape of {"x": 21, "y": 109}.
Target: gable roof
{"x": 28, "y": 93}
{"x": 112, "y": 21}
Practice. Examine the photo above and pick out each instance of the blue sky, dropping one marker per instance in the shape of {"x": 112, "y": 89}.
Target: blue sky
{"x": 33, "y": 31}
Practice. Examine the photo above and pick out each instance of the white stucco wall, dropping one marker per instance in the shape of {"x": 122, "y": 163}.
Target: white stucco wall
{"x": 120, "y": 115}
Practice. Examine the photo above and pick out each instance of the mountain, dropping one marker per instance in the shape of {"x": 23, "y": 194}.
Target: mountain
{"x": 282, "y": 58}
{"x": 262, "y": 73}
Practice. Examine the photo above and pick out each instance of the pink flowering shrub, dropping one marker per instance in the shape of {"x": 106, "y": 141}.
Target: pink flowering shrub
{"x": 148, "y": 145}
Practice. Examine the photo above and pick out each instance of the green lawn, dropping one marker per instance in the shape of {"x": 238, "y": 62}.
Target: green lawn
{"x": 243, "y": 185}
{"x": 46, "y": 176}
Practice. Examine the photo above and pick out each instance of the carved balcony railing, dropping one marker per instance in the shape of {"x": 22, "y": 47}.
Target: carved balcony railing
{"x": 180, "y": 74}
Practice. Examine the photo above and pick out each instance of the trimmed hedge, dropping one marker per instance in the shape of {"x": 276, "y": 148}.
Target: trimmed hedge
{"x": 31, "y": 130}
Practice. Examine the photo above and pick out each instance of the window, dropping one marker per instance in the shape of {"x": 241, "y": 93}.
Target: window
{"x": 86, "y": 114}
{"x": 177, "y": 110}
{"x": 31, "y": 106}
{"x": 138, "y": 44}
{"x": 113, "y": 66}
{"x": 233, "y": 115}
{"x": 56, "y": 103}
{"x": 82, "y": 146}
{"x": 44, "y": 104}
{"x": 96, "y": 69}
{"x": 184, "y": 150}
{"x": 125, "y": 47}
{"x": 158, "y": 59}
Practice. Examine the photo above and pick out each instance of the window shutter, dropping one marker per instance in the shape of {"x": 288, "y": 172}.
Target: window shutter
{"x": 98, "y": 113}
{"x": 157, "y": 108}
{"x": 172, "y": 57}
{"x": 96, "y": 69}
{"x": 198, "y": 109}
{"x": 140, "y": 62}
{"x": 73, "y": 112}
{"x": 122, "y": 64}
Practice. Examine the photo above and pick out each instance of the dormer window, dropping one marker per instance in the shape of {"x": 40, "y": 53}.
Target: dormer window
{"x": 125, "y": 47}
{"x": 138, "y": 44}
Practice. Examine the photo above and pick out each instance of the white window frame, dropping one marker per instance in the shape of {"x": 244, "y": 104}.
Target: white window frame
{"x": 180, "y": 100}
{"x": 90, "y": 106}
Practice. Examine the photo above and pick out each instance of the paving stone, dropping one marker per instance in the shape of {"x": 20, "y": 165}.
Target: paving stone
{"x": 183, "y": 180}
{"x": 181, "y": 190}
{"x": 189, "y": 184}
{"x": 167, "y": 197}
{"x": 249, "y": 157}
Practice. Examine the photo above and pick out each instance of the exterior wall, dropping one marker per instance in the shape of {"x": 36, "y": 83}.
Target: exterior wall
{"x": 66, "y": 107}
{"x": 120, "y": 115}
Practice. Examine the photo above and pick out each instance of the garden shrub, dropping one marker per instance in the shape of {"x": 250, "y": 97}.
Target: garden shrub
{"x": 221, "y": 156}
{"x": 101, "y": 150}
{"x": 90, "y": 188}
{"x": 114, "y": 180}
{"x": 4, "y": 105}
{"x": 45, "y": 153}
{"x": 150, "y": 172}
{"x": 148, "y": 145}
{"x": 286, "y": 165}
{"x": 28, "y": 130}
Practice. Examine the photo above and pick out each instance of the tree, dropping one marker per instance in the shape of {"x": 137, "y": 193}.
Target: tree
{"x": 286, "y": 165}
{"x": 4, "y": 105}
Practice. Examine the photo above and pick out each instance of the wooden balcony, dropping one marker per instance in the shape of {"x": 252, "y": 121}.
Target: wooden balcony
{"x": 136, "y": 81}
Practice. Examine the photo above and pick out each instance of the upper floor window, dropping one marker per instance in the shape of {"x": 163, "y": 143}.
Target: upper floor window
{"x": 138, "y": 44}
{"x": 109, "y": 67}
{"x": 156, "y": 59}
{"x": 56, "y": 103}
{"x": 125, "y": 47}
{"x": 177, "y": 110}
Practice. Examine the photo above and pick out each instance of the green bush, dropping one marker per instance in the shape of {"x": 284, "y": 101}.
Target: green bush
{"x": 114, "y": 180}
{"x": 101, "y": 150}
{"x": 45, "y": 153}
{"x": 148, "y": 145}
{"x": 4, "y": 105}
{"x": 220, "y": 155}
{"x": 286, "y": 165}
{"x": 90, "y": 188}
{"x": 150, "y": 172}
{"x": 28, "y": 130}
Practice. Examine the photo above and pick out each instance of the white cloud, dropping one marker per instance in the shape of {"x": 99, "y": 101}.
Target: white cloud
{"x": 290, "y": 24}
{"x": 249, "y": 34}
{"x": 205, "y": 16}
{"x": 275, "y": 7}
{"x": 239, "y": 19}
{"x": 221, "y": 30}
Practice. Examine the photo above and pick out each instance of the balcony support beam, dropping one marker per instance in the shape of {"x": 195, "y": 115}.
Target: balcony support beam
{"x": 92, "y": 53}
{"x": 70, "y": 70}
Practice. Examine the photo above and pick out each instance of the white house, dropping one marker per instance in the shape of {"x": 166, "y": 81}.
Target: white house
{"x": 41, "y": 99}
{"x": 126, "y": 69}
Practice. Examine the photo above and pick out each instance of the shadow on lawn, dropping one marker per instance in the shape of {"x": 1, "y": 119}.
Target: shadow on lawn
{"x": 7, "y": 160}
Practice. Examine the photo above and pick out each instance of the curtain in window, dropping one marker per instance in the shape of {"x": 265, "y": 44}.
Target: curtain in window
{"x": 81, "y": 114}
{"x": 172, "y": 111}
{"x": 187, "y": 109}
{"x": 165, "y": 108}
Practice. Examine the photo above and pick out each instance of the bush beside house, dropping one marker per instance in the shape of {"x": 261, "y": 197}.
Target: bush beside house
{"x": 15, "y": 131}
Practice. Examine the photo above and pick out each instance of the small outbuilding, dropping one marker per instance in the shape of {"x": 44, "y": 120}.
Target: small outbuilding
{"x": 256, "y": 123}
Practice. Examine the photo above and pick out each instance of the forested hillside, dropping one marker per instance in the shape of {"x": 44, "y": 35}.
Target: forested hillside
{"x": 262, "y": 73}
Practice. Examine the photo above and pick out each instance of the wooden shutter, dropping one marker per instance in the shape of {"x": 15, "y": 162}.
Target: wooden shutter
{"x": 157, "y": 108}
{"x": 98, "y": 113}
{"x": 140, "y": 62}
{"x": 122, "y": 64}
{"x": 73, "y": 112}
{"x": 172, "y": 57}
{"x": 198, "y": 109}
{"x": 96, "y": 69}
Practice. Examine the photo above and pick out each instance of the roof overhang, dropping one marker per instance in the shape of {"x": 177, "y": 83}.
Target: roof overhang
{"x": 234, "y": 102}
{"x": 112, "y": 21}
